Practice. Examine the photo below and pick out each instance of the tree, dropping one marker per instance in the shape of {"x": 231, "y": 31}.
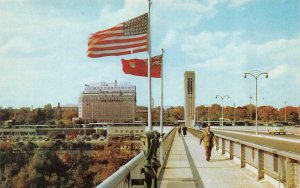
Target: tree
{"x": 47, "y": 169}
{"x": 267, "y": 113}
{"x": 251, "y": 111}
{"x": 6, "y": 114}
{"x": 21, "y": 180}
{"x": 38, "y": 116}
{"x": 229, "y": 113}
{"x": 71, "y": 134}
{"x": 156, "y": 114}
{"x": 241, "y": 113}
{"x": 202, "y": 113}
{"x": 215, "y": 112}
{"x": 49, "y": 112}
{"x": 21, "y": 115}
{"x": 179, "y": 113}
{"x": 68, "y": 114}
{"x": 292, "y": 113}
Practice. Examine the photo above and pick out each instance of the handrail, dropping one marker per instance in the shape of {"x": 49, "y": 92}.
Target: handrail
{"x": 116, "y": 178}
{"x": 122, "y": 176}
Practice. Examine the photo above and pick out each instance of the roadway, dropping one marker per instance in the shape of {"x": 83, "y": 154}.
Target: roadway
{"x": 286, "y": 136}
{"x": 288, "y": 143}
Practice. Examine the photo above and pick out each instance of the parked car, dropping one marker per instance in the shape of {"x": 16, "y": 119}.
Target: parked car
{"x": 276, "y": 128}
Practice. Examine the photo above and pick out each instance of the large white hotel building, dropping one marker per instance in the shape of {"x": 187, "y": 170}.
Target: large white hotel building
{"x": 108, "y": 102}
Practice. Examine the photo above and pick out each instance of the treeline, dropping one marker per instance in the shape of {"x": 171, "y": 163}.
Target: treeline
{"x": 29, "y": 165}
{"x": 214, "y": 113}
{"x": 46, "y": 115}
{"x": 55, "y": 116}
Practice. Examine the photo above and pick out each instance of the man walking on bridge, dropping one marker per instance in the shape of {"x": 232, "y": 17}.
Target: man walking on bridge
{"x": 208, "y": 139}
{"x": 184, "y": 130}
{"x": 179, "y": 130}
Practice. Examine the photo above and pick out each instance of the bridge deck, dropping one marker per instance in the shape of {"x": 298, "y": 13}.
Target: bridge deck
{"x": 186, "y": 167}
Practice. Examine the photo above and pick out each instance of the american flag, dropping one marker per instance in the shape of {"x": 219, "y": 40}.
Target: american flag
{"x": 125, "y": 38}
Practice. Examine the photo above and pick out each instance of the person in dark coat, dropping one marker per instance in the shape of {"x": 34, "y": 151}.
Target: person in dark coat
{"x": 179, "y": 130}
{"x": 184, "y": 130}
{"x": 208, "y": 142}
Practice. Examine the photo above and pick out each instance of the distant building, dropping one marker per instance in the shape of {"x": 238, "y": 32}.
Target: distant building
{"x": 108, "y": 102}
{"x": 122, "y": 130}
{"x": 64, "y": 111}
{"x": 189, "y": 96}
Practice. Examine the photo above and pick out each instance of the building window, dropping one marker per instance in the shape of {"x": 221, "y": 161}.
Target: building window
{"x": 190, "y": 86}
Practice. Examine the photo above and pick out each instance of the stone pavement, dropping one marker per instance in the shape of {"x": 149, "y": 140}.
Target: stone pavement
{"x": 186, "y": 167}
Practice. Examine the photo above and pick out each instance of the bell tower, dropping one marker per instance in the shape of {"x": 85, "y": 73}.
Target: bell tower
{"x": 189, "y": 96}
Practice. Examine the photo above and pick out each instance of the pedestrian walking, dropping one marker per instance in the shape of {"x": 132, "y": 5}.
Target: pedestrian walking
{"x": 208, "y": 142}
{"x": 184, "y": 130}
{"x": 179, "y": 130}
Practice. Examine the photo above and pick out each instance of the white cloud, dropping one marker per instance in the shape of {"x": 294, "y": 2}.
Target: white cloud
{"x": 231, "y": 57}
{"x": 279, "y": 71}
{"x": 17, "y": 45}
{"x": 191, "y": 6}
{"x": 132, "y": 8}
{"x": 110, "y": 16}
{"x": 206, "y": 44}
{"x": 282, "y": 50}
{"x": 224, "y": 50}
{"x": 170, "y": 39}
{"x": 237, "y": 3}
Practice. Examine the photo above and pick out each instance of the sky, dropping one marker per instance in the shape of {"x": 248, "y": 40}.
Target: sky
{"x": 43, "y": 50}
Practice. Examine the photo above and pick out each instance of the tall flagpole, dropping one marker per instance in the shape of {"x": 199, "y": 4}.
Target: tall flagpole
{"x": 161, "y": 151}
{"x": 161, "y": 91}
{"x": 149, "y": 72}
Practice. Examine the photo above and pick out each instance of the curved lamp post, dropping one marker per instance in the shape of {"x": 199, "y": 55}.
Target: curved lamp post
{"x": 256, "y": 75}
{"x": 222, "y": 97}
{"x": 285, "y": 111}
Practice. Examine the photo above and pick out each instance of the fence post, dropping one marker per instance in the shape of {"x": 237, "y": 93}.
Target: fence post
{"x": 223, "y": 146}
{"x": 231, "y": 149}
{"x": 243, "y": 156}
{"x": 217, "y": 143}
{"x": 291, "y": 173}
{"x": 260, "y": 166}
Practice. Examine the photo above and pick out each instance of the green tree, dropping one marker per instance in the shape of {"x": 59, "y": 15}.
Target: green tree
{"x": 49, "y": 112}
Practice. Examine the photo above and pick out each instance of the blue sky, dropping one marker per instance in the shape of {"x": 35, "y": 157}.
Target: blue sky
{"x": 43, "y": 49}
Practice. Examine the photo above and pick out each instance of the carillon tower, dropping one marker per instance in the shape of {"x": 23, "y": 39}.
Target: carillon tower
{"x": 189, "y": 96}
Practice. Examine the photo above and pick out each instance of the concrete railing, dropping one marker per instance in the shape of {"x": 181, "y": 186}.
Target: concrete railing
{"x": 280, "y": 167}
{"x": 130, "y": 174}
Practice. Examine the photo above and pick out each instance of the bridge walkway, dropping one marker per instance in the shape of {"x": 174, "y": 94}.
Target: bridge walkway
{"x": 186, "y": 167}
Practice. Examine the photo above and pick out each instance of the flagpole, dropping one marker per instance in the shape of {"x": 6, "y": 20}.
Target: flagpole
{"x": 161, "y": 151}
{"x": 149, "y": 72}
{"x": 161, "y": 91}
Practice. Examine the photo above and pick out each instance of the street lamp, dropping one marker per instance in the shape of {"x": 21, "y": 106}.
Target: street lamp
{"x": 285, "y": 111}
{"x": 233, "y": 114}
{"x": 222, "y": 97}
{"x": 208, "y": 117}
{"x": 250, "y": 110}
{"x": 256, "y": 75}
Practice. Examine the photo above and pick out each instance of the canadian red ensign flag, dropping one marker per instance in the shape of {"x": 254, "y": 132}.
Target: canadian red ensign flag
{"x": 139, "y": 67}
